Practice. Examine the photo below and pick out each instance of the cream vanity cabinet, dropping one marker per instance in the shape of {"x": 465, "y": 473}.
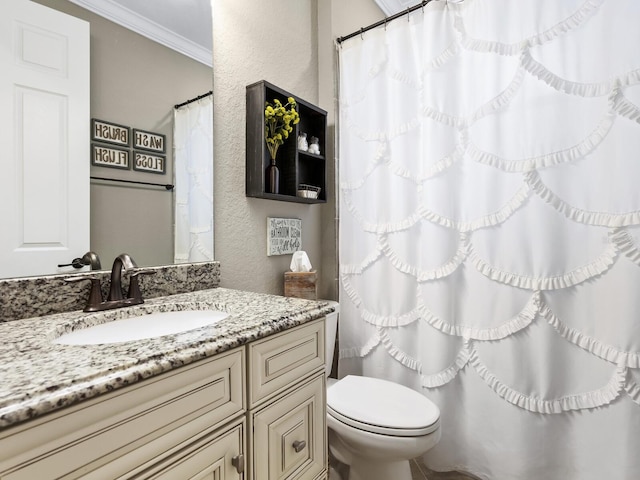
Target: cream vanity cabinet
{"x": 287, "y": 414}
{"x": 255, "y": 412}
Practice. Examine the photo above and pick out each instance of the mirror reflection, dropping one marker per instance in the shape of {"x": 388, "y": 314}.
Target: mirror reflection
{"x": 134, "y": 82}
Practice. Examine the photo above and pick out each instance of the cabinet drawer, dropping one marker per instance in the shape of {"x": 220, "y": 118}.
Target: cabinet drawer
{"x": 210, "y": 458}
{"x": 130, "y": 425}
{"x": 282, "y": 359}
{"x": 289, "y": 435}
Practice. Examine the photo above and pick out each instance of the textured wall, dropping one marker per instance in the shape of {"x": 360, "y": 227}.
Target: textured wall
{"x": 289, "y": 43}
{"x": 274, "y": 41}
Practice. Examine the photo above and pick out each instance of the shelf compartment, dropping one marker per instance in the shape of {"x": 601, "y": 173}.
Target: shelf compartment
{"x": 295, "y": 166}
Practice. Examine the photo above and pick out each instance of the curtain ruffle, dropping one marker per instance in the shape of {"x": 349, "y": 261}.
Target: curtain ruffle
{"x": 400, "y": 356}
{"x": 358, "y": 269}
{"x": 422, "y": 213}
{"x": 422, "y": 275}
{"x": 623, "y": 107}
{"x": 502, "y": 99}
{"x": 601, "y": 219}
{"x": 443, "y": 164}
{"x": 379, "y": 228}
{"x": 519, "y": 322}
{"x": 588, "y": 400}
{"x": 390, "y": 320}
{"x": 382, "y": 136}
{"x": 443, "y": 377}
{"x": 599, "y": 89}
{"x": 359, "y": 352}
{"x": 626, "y": 245}
{"x": 382, "y": 158}
{"x": 590, "y": 344}
{"x": 576, "y": 152}
{"x": 633, "y": 390}
{"x": 572, "y": 22}
{"x": 446, "y": 56}
{"x": 445, "y": 118}
{"x": 598, "y": 266}
{"x": 375, "y": 319}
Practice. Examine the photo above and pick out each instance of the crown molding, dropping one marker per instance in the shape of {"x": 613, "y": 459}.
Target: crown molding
{"x": 153, "y": 31}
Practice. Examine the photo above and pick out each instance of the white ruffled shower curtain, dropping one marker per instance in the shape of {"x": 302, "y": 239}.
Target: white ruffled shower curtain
{"x": 489, "y": 174}
{"x": 193, "y": 166}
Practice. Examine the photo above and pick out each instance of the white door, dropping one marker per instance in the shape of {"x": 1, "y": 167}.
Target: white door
{"x": 44, "y": 139}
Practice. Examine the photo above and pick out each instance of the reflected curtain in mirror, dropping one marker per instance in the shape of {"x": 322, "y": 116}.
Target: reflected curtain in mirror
{"x": 193, "y": 144}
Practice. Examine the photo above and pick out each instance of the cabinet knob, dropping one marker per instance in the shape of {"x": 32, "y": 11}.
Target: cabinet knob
{"x": 299, "y": 445}
{"x": 238, "y": 462}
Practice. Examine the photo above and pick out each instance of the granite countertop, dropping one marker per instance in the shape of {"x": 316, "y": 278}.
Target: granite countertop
{"x": 38, "y": 376}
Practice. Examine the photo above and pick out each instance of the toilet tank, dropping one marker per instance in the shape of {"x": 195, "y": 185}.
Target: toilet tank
{"x": 331, "y": 330}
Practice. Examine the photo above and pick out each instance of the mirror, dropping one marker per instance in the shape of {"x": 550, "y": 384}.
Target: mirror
{"x": 135, "y": 82}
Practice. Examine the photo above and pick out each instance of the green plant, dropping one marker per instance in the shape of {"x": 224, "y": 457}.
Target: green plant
{"x": 278, "y": 119}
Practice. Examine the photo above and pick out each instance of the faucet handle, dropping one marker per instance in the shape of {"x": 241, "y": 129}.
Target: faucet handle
{"x": 95, "y": 295}
{"x": 134, "y": 286}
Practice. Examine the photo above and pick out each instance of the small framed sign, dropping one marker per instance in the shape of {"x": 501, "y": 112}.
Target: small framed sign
{"x": 108, "y": 132}
{"x": 284, "y": 235}
{"x": 103, "y": 156}
{"x": 143, "y": 140}
{"x": 149, "y": 162}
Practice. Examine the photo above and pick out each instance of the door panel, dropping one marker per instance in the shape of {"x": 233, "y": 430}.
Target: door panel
{"x": 44, "y": 139}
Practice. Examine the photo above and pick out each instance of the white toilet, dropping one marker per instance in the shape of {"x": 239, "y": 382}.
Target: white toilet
{"x": 376, "y": 426}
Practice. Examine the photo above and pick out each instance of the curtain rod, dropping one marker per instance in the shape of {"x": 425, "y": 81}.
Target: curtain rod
{"x": 193, "y": 99}
{"x": 167, "y": 186}
{"x": 384, "y": 22}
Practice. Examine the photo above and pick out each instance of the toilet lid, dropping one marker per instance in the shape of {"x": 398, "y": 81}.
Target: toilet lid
{"x": 380, "y": 406}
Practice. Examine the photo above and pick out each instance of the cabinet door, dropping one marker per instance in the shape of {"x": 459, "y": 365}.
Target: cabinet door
{"x": 289, "y": 435}
{"x": 218, "y": 456}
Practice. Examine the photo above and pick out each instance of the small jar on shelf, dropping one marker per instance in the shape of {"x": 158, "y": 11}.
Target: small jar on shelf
{"x": 314, "y": 146}
{"x": 303, "y": 146}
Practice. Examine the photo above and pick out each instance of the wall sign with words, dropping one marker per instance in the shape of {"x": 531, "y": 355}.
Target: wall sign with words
{"x": 143, "y": 140}
{"x": 102, "y": 156}
{"x": 108, "y": 132}
{"x": 148, "y": 162}
{"x": 284, "y": 235}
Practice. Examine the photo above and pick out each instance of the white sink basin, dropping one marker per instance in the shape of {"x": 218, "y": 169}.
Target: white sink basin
{"x": 145, "y": 326}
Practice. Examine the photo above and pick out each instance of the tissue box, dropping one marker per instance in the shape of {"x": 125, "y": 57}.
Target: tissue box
{"x": 301, "y": 285}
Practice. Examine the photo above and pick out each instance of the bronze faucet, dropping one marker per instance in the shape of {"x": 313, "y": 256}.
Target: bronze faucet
{"x": 123, "y": 262}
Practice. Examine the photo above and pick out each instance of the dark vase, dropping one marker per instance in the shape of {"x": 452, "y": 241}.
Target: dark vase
{"x": 273, "y": 178}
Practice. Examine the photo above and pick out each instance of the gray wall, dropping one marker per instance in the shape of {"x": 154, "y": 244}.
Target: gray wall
{"x": 134, "y": 82}
{"x": 290, "y": 44}
{"x": 252, "y": 41}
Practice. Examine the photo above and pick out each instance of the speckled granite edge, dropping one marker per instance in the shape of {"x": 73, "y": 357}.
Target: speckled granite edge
{"x": 39, "y": 376}
{"x": 47, "y": 295}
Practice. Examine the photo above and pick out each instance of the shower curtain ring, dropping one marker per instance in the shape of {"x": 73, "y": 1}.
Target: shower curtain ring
{"x": 361, "y": 31}
{"x": 408, "y": 13}
{"x": 385, "y": 23}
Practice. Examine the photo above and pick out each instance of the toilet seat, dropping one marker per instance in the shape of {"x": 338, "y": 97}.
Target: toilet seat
{"x": 380, "y": 406}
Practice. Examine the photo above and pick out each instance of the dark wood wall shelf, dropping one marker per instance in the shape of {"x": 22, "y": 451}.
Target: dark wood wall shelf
{"x": 296, "y": 167}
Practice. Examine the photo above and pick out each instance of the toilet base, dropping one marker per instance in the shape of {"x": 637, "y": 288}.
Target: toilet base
{"x": 365, "y": 469}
